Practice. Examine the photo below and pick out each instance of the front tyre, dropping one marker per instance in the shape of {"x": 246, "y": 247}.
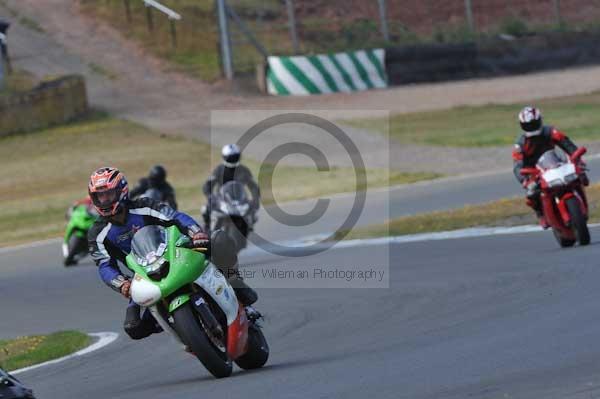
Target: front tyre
{"x": 258, "y": 350}
{"x": 193, "y": 335}
{"x": 578, "y": 221}
{"x": 563, "y": 242}
{"x": 76, "y": 245}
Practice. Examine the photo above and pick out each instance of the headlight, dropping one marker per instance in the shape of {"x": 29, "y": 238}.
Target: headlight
{"x": 571, "y": 178}
{"x": 155, "y": 265}
{"x": 244, "y": 208}
{"x": 555, "y": 183}
{"x": 225, "y": 208}
{"x": 158, "y": 270}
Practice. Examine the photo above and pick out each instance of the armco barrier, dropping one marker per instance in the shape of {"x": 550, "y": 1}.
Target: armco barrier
{"x": 326, "y": 73}
{"x": 51, "y": 103}
{"x": 436, "y": 62}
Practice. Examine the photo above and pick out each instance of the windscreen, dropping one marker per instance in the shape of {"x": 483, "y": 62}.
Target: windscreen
{"x": 550, "y": 160}
{"x": 149, "y": 244}
{"x": 234, "y": 192}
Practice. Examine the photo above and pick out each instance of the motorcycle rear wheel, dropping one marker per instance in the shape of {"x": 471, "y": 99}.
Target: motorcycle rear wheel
{"x": 258, "y": 350}
{"x": 192, "y": 334}
{"x": 578, "y": 221}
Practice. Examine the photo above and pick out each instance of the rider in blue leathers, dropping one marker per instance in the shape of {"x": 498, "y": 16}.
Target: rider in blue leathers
{"x": 120, "y": 218}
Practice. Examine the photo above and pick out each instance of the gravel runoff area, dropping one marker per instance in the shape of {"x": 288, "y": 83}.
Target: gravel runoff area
{"x": 131, "y": 84}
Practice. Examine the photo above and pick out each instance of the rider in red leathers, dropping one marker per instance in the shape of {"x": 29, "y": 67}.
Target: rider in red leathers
{"x": 531, "y": 145}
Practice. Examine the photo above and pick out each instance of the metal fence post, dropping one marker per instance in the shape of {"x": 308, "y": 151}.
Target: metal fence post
{"x": 292, "y": 23}
{"x": 127, "y": 10}
{"x": 557, "y": 14}
{"x": 173, "y": 33}
{"x": 469, "y": 14}
{"x": 2, "y": 74}
{"x": 226, "y": 58}
{"x": 383, "y": 16}
{"x": 149, "y": 18}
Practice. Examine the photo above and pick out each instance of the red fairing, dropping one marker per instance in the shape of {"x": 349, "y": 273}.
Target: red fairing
{"x": 555, "y": 215}
{"x": 562, "y": 208}
{"x": 237, "y": 335}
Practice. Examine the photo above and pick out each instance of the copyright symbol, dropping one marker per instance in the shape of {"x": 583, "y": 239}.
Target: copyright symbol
{"x": 265, "y": 179}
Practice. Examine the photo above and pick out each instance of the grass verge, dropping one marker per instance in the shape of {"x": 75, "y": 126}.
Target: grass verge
{"x": 28, "y": 351}
{"x": 488, "y": 125}
{"x": 45, "y": 171}
{"x": 504, "y": 212}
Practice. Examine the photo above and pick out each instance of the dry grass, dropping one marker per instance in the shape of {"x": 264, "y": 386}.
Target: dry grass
{"x": 45, "y": 171}
{"x": 488, "y": 125}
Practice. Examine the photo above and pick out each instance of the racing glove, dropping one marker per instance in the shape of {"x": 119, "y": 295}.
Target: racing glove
{"x": 126, "y": 288}
{"x": 200, "y": 240}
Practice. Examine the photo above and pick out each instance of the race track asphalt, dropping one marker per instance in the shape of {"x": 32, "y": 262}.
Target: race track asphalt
{"x": 494, "y": 317}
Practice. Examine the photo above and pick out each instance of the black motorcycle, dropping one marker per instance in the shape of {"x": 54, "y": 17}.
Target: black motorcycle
{"x": 11, "y": 388}
{"x": 232, "y": 213}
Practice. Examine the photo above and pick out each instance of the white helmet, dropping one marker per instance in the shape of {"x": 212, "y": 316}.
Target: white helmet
{"x": 231, "y": 155}
{"x": 530, "y": 119}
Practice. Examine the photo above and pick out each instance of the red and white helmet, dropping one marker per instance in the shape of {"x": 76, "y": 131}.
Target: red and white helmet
{"x": 108, "y": 189}
{"x": 530, "y": 119}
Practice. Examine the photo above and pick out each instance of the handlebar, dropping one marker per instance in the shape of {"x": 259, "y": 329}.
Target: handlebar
{"x": 578, "y": 154}
{"x": 529, "y": 171}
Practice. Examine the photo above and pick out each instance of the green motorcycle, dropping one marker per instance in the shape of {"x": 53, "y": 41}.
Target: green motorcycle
{"x": 80, "y": 218}
{"x": 190, "y": 298}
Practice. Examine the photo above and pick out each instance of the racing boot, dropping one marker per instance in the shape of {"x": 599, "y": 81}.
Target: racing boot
{"x": 246, "y": 295}
{"x": 542, "y": 219}
{"x": 253, "y": 314}
{"x": 139, "y": 327}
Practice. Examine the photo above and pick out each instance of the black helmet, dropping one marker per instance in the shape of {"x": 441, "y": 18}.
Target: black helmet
{"x": 158, "y": 175}
{"x": 231, "y": 155}
{"x": 530, "y": 119}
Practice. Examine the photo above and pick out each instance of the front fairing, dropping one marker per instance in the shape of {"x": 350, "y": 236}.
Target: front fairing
{"x": 185, "y": 266}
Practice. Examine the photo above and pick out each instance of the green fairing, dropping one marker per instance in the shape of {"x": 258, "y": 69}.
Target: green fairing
{"x": 186, "y": 266}
{"x": 79, "y": 223}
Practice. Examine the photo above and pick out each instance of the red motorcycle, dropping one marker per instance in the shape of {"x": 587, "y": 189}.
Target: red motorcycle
{"x": 564, "y": 202}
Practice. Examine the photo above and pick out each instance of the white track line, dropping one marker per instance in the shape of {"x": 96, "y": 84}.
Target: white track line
{"x": 438, "y": 236}
{"x": 105, "y": 338}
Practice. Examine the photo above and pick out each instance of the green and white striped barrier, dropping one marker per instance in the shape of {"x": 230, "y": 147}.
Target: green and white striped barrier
{"x": 326, "y": 73}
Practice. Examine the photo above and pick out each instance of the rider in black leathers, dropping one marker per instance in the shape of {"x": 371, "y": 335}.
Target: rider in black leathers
{"x": 157, "y": 180}
{"x": 229, "y": 170}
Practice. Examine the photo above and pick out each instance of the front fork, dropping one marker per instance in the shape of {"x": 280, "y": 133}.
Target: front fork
{"x": 561, "y": 204}
{"x": 162, "y": 321}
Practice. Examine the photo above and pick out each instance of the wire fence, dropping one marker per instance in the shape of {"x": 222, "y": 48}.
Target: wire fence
{"x": 284, "y": 27}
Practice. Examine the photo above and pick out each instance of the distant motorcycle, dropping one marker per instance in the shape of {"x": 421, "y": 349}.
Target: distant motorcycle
{"x": 564, "y": 202}
{"x": 81, "y": 218}
{"x": 193, "y": 301}
{"x": 11, "y": 388}
{"x": 231, "y": 213}
{"x": 153, "y": 194}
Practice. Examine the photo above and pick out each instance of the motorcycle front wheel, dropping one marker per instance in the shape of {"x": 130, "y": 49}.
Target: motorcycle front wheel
{"x": 191, "y": 332}
{"x": 76, "y": 246}
{"x": 578, "y": 222}
{"x": 563, "y": 242}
